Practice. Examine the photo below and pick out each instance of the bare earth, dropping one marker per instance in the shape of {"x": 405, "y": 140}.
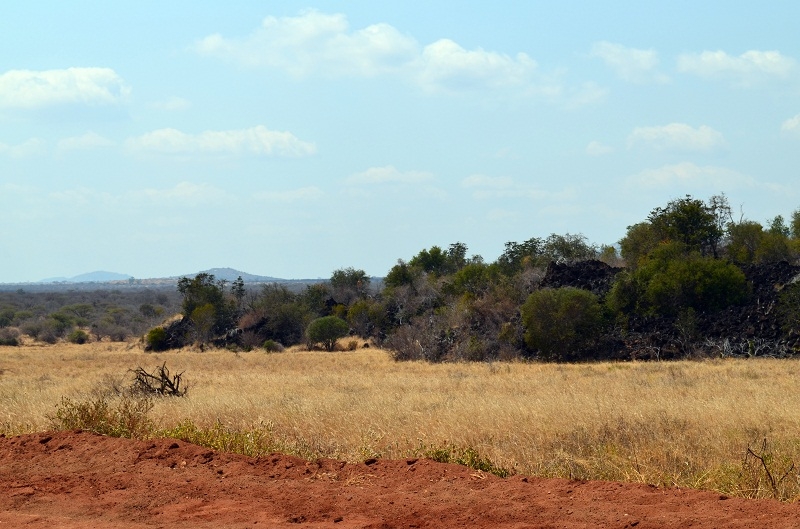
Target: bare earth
{"x": 81, "y": 480}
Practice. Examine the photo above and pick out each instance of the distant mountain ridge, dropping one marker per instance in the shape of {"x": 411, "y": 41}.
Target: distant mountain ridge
{"x": 231, "y": 274}
{"x": 99, "y": 276}
{"x": 225, "y": 274}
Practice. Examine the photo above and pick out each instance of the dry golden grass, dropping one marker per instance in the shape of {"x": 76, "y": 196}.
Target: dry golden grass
{"x": 679, "y": 423}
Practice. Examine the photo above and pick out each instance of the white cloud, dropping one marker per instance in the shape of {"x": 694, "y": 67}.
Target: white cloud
{"x": 28, "y": 148}
{"x": 677, "y": 136}
{"x": 183, "y": 193}
{"x": 315, "y": 43}
{"x": 791, "y": 124}
{"x": 89, "y": 86}
{"x": 493, "y": 182}
{"x": 744, "y": 70}
{"x": 172, "y": 104}
{"x": 303, "y": 194}
{"x": 387, "y": 175}
{"x": 444, "y": 65}
{"x": 688, "y": 176}
{"x": 502, "y": 187}
{"x": 90, "y": 140}
{"x": 596, "y": 148}
{"x": 254, "y": 141}
{"x": 630, "y": 64}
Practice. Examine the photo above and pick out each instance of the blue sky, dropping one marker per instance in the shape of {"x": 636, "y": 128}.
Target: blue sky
{"x": 291, "y": 139}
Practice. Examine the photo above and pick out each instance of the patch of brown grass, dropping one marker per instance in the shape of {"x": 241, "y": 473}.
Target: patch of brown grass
{"x": 682, "y": 423}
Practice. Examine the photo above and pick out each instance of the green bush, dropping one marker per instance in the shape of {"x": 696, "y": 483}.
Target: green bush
{"x": 326, "y": 331}
{"x": 667, "y": 283}
{"x": 9, "y": 337}
{"x": 156, "y": 340}
{"x": 271, "y": 346}
{"x": 561, "y": 322}
{"x": 78, "y": 336}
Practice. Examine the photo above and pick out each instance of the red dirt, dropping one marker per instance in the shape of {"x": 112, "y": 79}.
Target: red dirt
{"x": 79, "y": 480}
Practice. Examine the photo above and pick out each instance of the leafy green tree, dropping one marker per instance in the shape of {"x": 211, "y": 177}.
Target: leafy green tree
{"x": 639, "y": 240}
{"x": 349, "y": 284}
{"x": 669, "y": 281}
{"x": 744, "y": 239}
{"x": 517, "y": 254}
{"x": 689, "y": 221}
{"x": 794, "y": 225}
{"x": 203, "y": 291}
{"x": 560, "y": 323}
{"x": 326, "y": 331}
{"x": 778, "y": 226}
{"x": 400, "y": 274}
{"x": 569, "y": 248}
{"x": 433, "y": 261}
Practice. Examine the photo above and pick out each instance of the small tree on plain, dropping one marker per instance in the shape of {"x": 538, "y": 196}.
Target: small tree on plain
{"x": 326, "y": 331}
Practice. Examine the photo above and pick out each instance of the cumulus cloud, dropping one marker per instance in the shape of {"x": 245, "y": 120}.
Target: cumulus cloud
{"x": 28, "y": 148}
{"x": 316, "y": 43}
{"x": 444, "y": 65}
{"x": 258, "y": 141}
{"x": 303, "y": 194}
{"x": 678, "y": 137}
{"x": 596, "y": 148}
{"x": 485, "y": 187}
{"x": 791, "y": 124}
{"x": 388, "y": 175}
{"x": 90, "y": 140}
{"x": 630, "y": 64}
{"x": 88, "y": 86}
{"x": 744, "y": 70}
{"x": 687, "y": 175}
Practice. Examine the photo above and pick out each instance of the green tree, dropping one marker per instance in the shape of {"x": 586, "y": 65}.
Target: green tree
{"x": 669, "y": 281}
{"x": 744, "y": 239}
{"x": 569, "y": 248}
{"x": 639, "y": 240}
{"x": 326, "y": 331}
{"x": 794, "y": 225}
{"x": 689, "y": 221}
{"x": 561, "y": 322}
{"x": 516, "y": 255}
{"x": 203, "y": 291}
{"x": 349, "y": 284}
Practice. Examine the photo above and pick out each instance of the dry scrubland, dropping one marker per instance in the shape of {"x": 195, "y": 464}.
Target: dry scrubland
{"x": 679, "y": 423}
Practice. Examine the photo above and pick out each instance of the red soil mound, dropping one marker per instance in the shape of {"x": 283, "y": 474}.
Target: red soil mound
{"x": 81, "y": 480}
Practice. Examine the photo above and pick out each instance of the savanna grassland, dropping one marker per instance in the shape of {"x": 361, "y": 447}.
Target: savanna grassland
{"x": 684, "y": 423}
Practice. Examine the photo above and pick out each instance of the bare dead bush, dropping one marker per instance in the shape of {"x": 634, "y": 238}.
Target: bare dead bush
{"x": 159, "y": 382}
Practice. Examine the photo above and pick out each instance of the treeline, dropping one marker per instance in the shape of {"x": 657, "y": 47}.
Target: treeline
{"x": 682, "y": 265}
{"x": 83, "y": 315}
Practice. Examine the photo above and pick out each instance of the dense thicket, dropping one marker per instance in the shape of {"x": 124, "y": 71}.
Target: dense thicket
{"x": 687, "y": 280}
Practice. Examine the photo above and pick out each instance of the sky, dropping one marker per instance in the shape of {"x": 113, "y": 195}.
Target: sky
{"x": 291, "y": 139}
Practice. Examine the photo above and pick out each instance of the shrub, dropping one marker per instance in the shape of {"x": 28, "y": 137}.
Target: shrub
{"x": 326, "y": 331}
{"x": 122, "y": 417}
{"x": 271, "y": 346}
{"x": 9, "y": 337}
{"x": 78, "y": 336}
{"x": 156, "y": 340}
{"x": 560, "y": 322}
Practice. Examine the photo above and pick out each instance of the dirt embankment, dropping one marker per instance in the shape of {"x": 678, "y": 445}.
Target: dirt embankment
{"x": 80, "y": 480}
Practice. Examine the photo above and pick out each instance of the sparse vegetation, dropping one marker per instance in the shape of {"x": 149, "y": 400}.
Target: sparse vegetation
{"x": 584, "y": 421}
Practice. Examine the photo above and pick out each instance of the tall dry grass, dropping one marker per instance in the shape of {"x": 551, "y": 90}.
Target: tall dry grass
{"x": 680, "y": 423}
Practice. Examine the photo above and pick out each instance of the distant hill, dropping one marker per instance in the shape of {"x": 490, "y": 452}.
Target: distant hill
{"x": 90, "y": 277}
{"x": 231, "y": 274}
